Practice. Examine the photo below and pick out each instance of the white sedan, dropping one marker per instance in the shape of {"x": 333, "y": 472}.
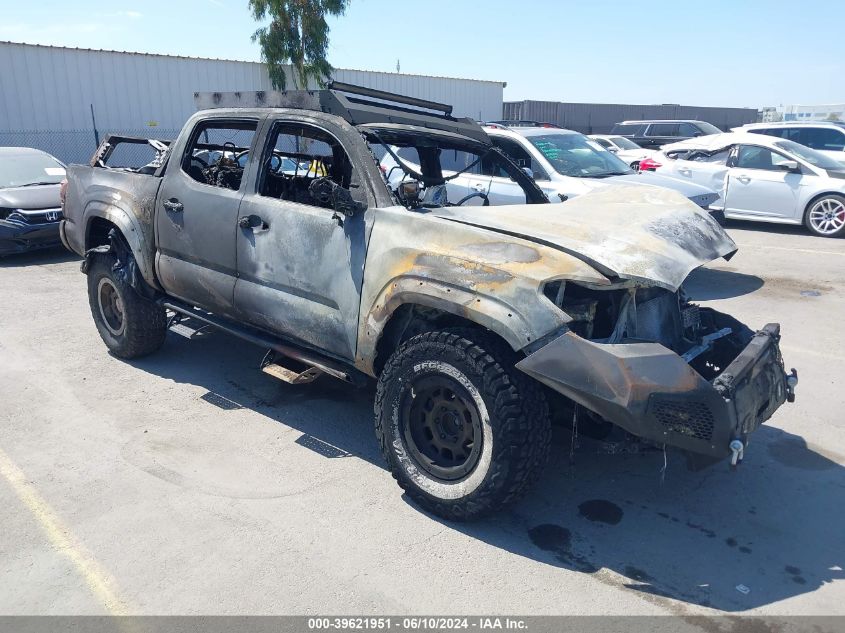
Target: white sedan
{"x": 624, "y": 148}
{"x": 763, "y": 178}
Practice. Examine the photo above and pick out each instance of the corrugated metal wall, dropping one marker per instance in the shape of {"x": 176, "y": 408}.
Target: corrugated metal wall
{"x": 598, "y": 118}
{"x": 46, "y": 93}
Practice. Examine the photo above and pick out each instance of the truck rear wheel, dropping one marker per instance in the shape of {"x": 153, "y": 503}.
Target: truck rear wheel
{"x": 130, "y": 325}
{"x": 464, "y": 433}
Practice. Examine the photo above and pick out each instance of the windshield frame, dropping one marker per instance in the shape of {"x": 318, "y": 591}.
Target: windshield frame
{"x": 389, "y": 135}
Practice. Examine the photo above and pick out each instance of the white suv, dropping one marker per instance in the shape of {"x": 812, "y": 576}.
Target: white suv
{"x": 822, "y": 136}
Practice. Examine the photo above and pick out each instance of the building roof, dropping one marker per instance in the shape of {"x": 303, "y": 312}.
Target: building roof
{"x": 240, "y": 61}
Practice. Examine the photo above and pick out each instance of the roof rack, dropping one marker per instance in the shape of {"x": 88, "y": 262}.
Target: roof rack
{"x": 337, "y": 99}
{"x": 509, "y": 123}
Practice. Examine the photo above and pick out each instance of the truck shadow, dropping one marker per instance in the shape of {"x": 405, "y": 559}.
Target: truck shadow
{"x": 54, "y": 255}
{"x": 705, "y": 284}
{"x": 731, "y": 541}
{"x": 335, "y": 419}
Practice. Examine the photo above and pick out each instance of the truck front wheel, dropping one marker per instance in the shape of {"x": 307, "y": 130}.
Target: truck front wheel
{"x": 464, "y": 433}
{"x": 130, "y": 325}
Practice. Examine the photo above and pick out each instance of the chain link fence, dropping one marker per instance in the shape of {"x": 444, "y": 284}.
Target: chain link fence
{"x": 77, "y": 146}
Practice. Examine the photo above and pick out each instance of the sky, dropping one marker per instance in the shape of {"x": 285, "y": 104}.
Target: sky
{"x": 744, "y": 53}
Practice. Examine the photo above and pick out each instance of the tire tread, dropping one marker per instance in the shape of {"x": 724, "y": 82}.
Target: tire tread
{"x": 146, "y": 321}
{"x": 519, "y": 411}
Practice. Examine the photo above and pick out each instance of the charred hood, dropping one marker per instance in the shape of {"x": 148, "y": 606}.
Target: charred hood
{"x": 644, "y": 234}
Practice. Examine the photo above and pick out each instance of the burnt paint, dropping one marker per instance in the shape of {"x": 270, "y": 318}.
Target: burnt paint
{"x": 639, "y": 233}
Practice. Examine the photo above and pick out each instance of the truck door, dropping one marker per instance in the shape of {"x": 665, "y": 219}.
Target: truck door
{"x": 300, "y": 265}
{"x": 197, "y": 212}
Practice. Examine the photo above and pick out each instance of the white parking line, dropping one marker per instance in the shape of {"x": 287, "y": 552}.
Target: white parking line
{"x": 787, "y": 248}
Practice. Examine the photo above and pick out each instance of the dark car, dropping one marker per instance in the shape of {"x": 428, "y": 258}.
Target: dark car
{"x": 30, "y": 207}
{"x": 654, "y": 134}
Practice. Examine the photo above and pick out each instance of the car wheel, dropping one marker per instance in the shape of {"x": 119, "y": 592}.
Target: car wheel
{"x": 130, "y": 325}
{"x": 635, "y": 165}
{"x": 826, "y": 216}
{"x": 463, "y": 432}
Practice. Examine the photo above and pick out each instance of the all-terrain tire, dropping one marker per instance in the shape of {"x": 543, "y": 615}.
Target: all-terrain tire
{"x": 142, "y": 325}
{"x": 511, "y": 409}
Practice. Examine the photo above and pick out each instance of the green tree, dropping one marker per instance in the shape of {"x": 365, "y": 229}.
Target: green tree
{"x": 297, "y": 35}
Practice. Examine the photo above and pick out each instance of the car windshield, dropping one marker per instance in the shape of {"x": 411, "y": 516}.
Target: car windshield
{"x": 576, "y": 155}
{"x": 817, "y": 159}
{"x": 707, "y": 128}
{"x": 25, "y": 170}
{"x": 623, "y": 143}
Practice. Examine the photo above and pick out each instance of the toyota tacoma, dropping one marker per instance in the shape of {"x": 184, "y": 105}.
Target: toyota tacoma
{"x": 274, "y": 222}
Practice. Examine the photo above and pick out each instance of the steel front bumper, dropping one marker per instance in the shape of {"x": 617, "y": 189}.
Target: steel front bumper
{"x": 653, "y": 393}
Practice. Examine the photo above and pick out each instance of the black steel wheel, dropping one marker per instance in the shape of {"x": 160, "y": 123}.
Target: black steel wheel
{"x": 129, "y": 324}
{"x": 463, "y": 431}
{"x": 442, "y": 426}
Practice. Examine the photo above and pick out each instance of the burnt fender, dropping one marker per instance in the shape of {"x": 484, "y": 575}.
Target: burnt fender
{"x": 125, "y": 266}
{"x": 132, "y": 234}
{"x": 519, "y": 322}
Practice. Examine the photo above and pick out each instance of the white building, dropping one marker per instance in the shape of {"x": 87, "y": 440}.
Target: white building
{"x": 828, "y": 112}
{"x": 61, "y": 99}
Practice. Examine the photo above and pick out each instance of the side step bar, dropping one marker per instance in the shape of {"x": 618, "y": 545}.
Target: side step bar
{"x": 270, "y": 365}
{"x": 182, "y": 325}
{"x": 284, "y": 348}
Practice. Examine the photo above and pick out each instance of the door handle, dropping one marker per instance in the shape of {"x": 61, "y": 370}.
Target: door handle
{"x": 252, "y": 222}
{"x": 173, "y": 205}
{"x": 479, "y": 187}
{"x": 685, "y": 172}
{"x": 743, "y": 179}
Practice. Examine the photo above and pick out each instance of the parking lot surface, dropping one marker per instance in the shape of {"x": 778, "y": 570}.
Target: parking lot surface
{"x": 189, "y": 482}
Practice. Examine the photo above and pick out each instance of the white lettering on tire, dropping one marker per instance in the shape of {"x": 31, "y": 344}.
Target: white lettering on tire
{"x": 441, "y": 489}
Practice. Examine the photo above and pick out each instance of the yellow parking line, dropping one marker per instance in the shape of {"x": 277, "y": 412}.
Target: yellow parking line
{"x": 97, "y": 579}
{"x": 787, "y": 248}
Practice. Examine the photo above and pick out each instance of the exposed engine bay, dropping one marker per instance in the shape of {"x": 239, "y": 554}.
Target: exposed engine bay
{"x": 673, "y": 373}
{"x": 706, "y": 339}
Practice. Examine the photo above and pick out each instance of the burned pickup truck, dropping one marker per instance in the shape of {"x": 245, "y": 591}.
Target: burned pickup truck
{"x": 277, "y": 225}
